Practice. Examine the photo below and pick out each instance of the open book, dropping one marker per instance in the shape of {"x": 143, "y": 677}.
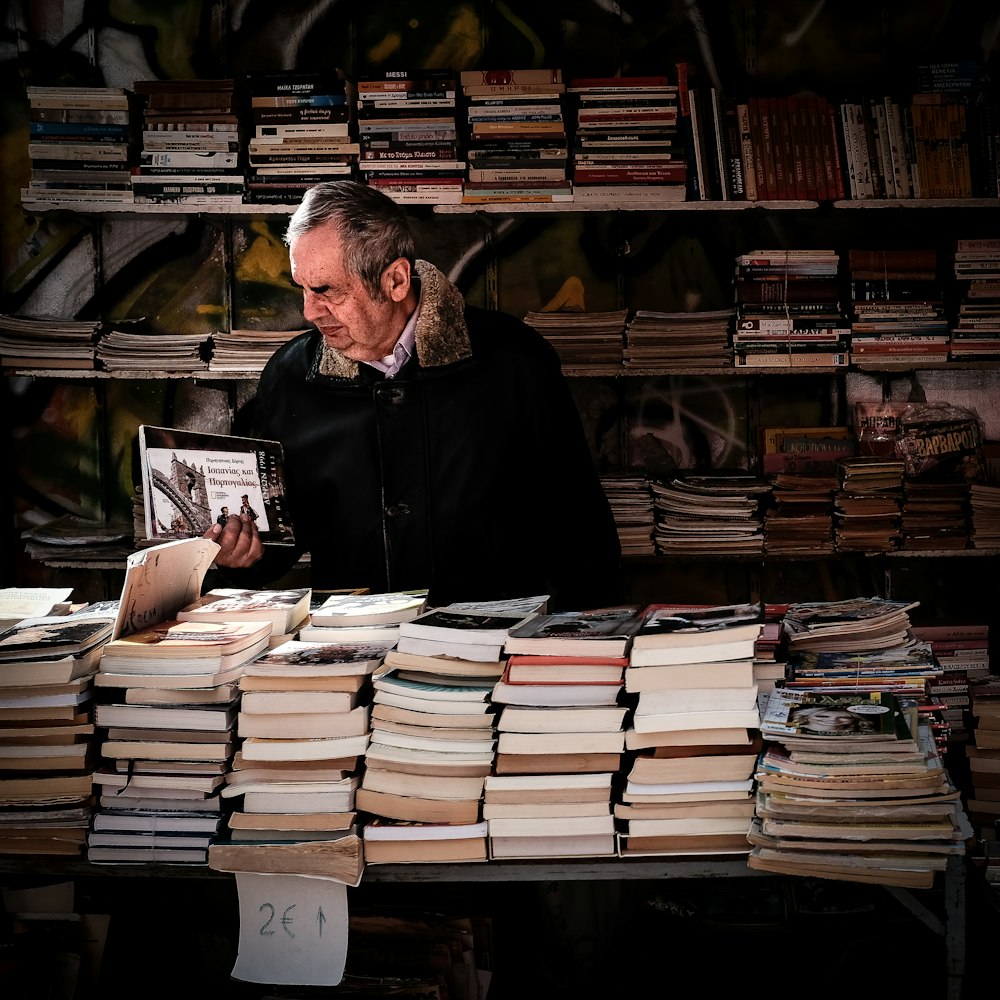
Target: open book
{"x": 192, "y": 479}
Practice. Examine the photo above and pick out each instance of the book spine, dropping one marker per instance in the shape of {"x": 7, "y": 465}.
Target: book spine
{"x": 747, "y": 150}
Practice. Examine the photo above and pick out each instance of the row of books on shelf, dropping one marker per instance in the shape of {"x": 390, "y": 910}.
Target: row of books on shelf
{"x": 439, "y": 136}
{"x": 271, "y": 731}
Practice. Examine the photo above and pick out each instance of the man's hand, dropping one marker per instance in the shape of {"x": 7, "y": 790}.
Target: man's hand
{"x": 239, "y": 541}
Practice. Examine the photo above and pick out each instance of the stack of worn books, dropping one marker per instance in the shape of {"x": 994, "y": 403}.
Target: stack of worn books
{"x": 852, "y": 786}
{"x": 692, "y": 731}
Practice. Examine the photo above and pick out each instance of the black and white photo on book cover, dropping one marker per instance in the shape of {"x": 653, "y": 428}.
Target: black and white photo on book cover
{"x": 191, "y": 480}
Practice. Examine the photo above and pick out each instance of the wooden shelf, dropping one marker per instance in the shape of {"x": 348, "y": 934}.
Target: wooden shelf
{"x": 525, "y": 208}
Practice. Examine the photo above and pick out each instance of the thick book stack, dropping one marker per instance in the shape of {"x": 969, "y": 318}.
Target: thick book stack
{"x": 81, "y": 145}
{"x": 671, "y": 340}
{"x": 303, "y": 725}
{"x": 246, "y": 350}
{"x": 934, "y": 514}
{"x": 975, "y": 332}
{"x": 799, "y": 519}
{"x": 631, "y": 501}
{"x": 301, "y": 134}
{"x": 433, "y": 737}
{"x": 693, "y": 731}
{"x": 962, "y": 651}
{"x": 897, "y": 307}
{"x": 127, "y": 348}
{"x": 720, "y": 513}
{"x": 190, "y": 153}
{"x": 432, "y": 745}
{"x": 408, "y": 131}
{"x": 47, "y": 342}
{"x": 191, "y": 143}
{"x": 906, "y": 670}
{"x": 852, "y": 787}
{"x": 516, "y": 136}
{"x": 580, "y": 338}
{"x": 72, "y": 540}
{"x": 983, "y": 755}
{"x": 168, "y": 734}
{"x": 984, "y": 503}
{"x": 788, "y": 312}
{"x": 47, "y": 744}
{"x": 868, "y": 504}
{"x": 562, "y": 715}
{"x": 626, "y": 142}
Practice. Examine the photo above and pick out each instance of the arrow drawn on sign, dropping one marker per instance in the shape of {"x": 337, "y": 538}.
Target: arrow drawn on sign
{"x": 320, "y": 919}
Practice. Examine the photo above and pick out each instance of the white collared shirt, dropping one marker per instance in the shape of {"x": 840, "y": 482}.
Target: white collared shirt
{"x": 391, "y": 364}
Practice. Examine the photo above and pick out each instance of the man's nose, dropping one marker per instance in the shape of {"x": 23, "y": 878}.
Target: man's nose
{"x": 313, "y": 306}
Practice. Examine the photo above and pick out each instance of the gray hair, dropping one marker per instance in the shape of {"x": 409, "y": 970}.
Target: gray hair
{"x": 372, "y": 227}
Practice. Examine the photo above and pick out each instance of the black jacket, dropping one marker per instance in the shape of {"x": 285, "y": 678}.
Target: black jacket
{"x": 468, "y": 473}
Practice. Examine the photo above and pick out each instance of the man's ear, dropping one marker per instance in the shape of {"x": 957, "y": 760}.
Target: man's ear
{"x": 396, "y": 280}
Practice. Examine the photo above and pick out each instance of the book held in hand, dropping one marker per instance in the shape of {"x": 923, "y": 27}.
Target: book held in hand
{"x": 191, "y": 480}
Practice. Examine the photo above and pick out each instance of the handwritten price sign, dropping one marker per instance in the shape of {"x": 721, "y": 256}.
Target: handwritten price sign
{"x": 293, "y": 929}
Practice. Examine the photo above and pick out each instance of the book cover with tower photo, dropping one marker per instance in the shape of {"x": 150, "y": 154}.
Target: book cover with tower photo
{"x": 192, "y": 479}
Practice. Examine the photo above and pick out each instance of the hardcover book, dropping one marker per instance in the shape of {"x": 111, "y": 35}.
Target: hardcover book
{"x": 192, "y": 479}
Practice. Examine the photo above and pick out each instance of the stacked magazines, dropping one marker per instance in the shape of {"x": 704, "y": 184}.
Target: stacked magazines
{"x": 851, "y": 786}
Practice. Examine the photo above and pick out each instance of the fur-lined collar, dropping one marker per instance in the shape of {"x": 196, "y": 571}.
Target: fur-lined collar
{"x": 442, "y": 337}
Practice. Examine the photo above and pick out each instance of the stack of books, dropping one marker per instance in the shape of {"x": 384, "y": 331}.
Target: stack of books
{"x": 868, "y": 504}
{"x": 47, "y": 342}
{"x": 516, "y": 136}
{"x": 631, "y": 500}
{"x": 626, "y": 141}
{"x": 582, "y": 339}
{"x": 47, "y": 744}
{"x": 906, "y": 670}
{"x": 897, "y": 306}
{"x": 408, "y": 131}
{"x": 984, "y": 504}
{"x": 788, "y": 311}
{"x": 799, "y": 519}
{"x": 243, "y": 351}
{"x": 130, "y": 348}
{"x": 71, "y": 540}
{"x": 432, "y": 745}
{"x": 81, "y": 145}
{"x": 769, "y": 656}
{"x": 468, "y": 630}
{"x": 359, "y": 615}
{"x": 852, "y": 787}
{"x": 975, "y": 332}
{"x": 286, "y": 609}
{"x": 169, "y": 732}
{"x": 670, "y": 340}
{"x": 301, "y": 134}
{"x": 983, "y": 755}
{"x": 303, "y": 725}
{"x": 561, "y": 714}
{"x": 693, "y": 730}
{"x": 852, "y": 625}
{"x": 190, "y": 152}
{"x": 934, "y": 514}
{"x": 719, "y": 514}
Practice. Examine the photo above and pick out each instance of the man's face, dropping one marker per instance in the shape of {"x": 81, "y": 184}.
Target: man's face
{"x": 337, "y": 303}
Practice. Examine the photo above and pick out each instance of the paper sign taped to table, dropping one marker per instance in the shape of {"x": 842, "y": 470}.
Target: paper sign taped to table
{"x": 293, "y": 929}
